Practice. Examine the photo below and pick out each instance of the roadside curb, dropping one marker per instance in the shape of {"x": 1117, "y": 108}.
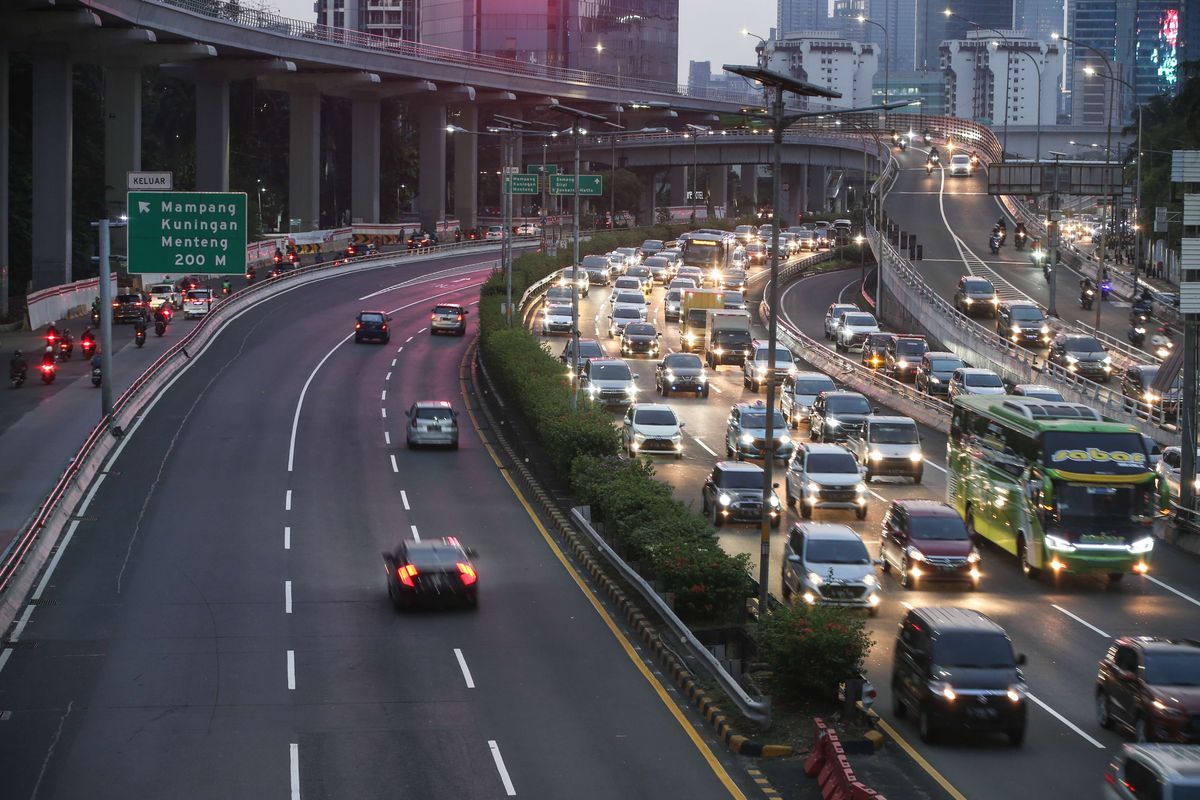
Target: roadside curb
{"x": 680, "y": 675}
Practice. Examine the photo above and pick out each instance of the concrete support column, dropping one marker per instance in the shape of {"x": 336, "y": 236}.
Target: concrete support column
{"x": 718, "y": 187}
{"x": 749, "y": 173}
{"x": 646, "y": 206}
{"x": 364, "y": 159}
{"x": 122, "y": 133}
{"x": 792, "y": 192}
{"x": 52, "y": 145}
{"x": 431, "y": 179}
{"x": 212, "y": 134}
{"x": 466, "y": 169}
{"x": 304, "y": 158}
{"x": 677, "y": 190}
{"x": 4, "y": 268}
{"x": 816, "y": 187}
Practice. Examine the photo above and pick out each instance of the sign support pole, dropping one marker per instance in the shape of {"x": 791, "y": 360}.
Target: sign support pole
{"x": 105, "y": 323}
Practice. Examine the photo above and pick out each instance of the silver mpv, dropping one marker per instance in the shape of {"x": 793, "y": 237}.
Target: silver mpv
{"x": 432, "y": 422}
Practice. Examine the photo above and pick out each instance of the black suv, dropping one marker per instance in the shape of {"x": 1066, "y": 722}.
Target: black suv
{"x": 372, "y": 325}
{"x": 130, "y": 308}
{"x": 955, "y": 668}
{"x": 976, "y": 296}
{"x": 934, "y": 372}
{"x": 732, "y": 492}
{"x": 903, "y": 355}
{"x": 835, "y": 416}
{"x": 1081, "y": 354}
{"x": 1022, "y": 322}
{"x": 681, "y": 372}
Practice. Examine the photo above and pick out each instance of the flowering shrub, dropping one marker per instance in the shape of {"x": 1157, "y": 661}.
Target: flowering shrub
{"x": 812, "y": 648}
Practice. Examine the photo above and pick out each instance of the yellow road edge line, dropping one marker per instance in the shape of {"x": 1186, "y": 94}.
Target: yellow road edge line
{"x": 920, "y": 759}
{"x": 700, "y": 744}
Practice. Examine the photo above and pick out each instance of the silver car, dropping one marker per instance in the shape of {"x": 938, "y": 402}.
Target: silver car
{"x": 432, "y": 422}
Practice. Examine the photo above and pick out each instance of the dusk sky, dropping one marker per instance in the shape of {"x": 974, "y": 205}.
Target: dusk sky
{"x": 709, "y": 30}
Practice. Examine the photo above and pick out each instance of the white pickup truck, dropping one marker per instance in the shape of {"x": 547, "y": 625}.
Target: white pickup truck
{"x": 164, "y": 293}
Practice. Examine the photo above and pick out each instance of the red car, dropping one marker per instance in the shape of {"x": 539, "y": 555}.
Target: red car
{"x": 1150, "y": 687}
{"x": 924, "y": 540}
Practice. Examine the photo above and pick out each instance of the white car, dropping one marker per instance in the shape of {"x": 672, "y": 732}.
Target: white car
{"x": 825, "y": 476}
{"x": 164, "y": 294}
{"x": 494, "y": 232}
{"x": 197, "y": 303}
{"x": 833, "y": 318}
{"x": 973, "y": 380}
{"x": 652, "y": 428}
{"x": 556, "y": 319}
{"x": 528, "y": 229}
{"x": 828, "y": 563}
{"x": 622, "y": 316}
{"x": 627, "y": 283}
{"x": 888, "y": 446}
{"x": 1170, "y": 467}
{"x": 960, "y": 164}
{"x": 627, "y": 297}
{"x": 854, "y": 328}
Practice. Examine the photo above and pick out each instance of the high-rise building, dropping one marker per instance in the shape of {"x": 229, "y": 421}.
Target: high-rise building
{"x": 1105, "y": 26}
{"x": 991, "y": 78}
{"x": 933, "y": 26}
{"x": 1155, "y": 48}
{"x": 898, "y": 17}
{"x": 396, "y": 19}
{"x": 825, "y": 59}
{"x": 1039, "y": 19}
{"x": 802, "y": 15}
{"x": 635, "y": 38}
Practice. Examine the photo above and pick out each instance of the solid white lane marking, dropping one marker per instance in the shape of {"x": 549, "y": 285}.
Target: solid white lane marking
{"x": 715, "y": 388}
{"x": 1173, "y": 590}
{"x": 1080, "y": 620}
{"x": 508, "y": 784}
{"x": 406, "y": 341}
{"x": 287, "y": 537}
{"x": 287, "y": 501}
{"x": 4, "y": 656}
{"x": 387, "y": 377}
{"x": 383, "y": 395}
{"x": 287, "y": 597}
{"x": 404, "y": 499}
{"x": 387, "y": 438}
{"x": 416, "y": 536}
{"x": 937, "y": 466}
{"x": 462, "y": 664}
{"x": 383, "y": 412}
{"x": 479, "y": 266}
{"x": 877, "y": 495}
{"x": 291, "y": 669}
{"x": 87, "y": 501}
{"x": 1064, "y": 721}
{"x": 62, "y": 547}
{"x": 21, "y": 623}
{"x": 707, "y": 449}
{"x": 294, "y": 769}
{"x": 395, "y": 468}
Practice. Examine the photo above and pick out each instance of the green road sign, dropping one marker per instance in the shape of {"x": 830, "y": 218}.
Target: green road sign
{"x": 589, "y": 185}
{"x": 521, "y": 183}
{"x": 542, "y": 169}
{"x": 187, "y": 232}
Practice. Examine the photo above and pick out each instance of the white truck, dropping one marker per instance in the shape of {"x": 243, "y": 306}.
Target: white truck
{"x": 727, "y": 337}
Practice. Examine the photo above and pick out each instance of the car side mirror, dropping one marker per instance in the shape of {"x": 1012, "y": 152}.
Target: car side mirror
{"x": 682, "y": 425}
{"x": 1021, "y": 659}
{"x": 774, "y": 485}
{"x": 794, "y": 559}
{"x": 466, "y": 312}
{"x": 659, "y": 335}
{"x": 389, "y": 318}
{"x": 635, "y": 376}
{"x": 408, "y": 413}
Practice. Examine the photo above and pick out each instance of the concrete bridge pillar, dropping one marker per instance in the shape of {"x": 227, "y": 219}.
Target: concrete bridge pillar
{"x": 718, "y": 188}
{"x": 816, "y": 188}
{"x": 431, "y": 180}
{"x": 52, "y": 144}
{"x": 749, "y": 175}
{"x": 677, "y": 177}
{"x": 364, "y": 158}
{"x": 122, "y": 133}
{"x": 466, "y": 168}
{"x": 4, "y": 273}
{"x": 212, "y": 133}
{"x": 304, "y": 157}
{"x": 792, "y": 192}
{"x": 647, "y": 204}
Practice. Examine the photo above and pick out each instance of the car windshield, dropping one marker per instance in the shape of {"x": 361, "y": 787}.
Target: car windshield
{"x": 940, "y": 528}
{"x": 447, "y": 310}
{"x": 741, "y": 479}
{"x": 654, "y": 416}
{"x": 758, "y": 419}
{"x": 1082, "y": 344}
{"x": 587, "y": 349}
{"x": 611, "y": 372}
{"x": 836, "y": 551}
{"x": 368, "y": 316}
{"x": 1027, "y": 314}
{"x": 911, "y": 347}
{"x": 628, "y": 283}
{"x": 944, "y": 364}
{"x": 161, "y": 289}
{"x": 735, "y": 275}
{"x": 1044, "y": 394}
{"x": 627, "y": 312}
{"x": 652, "y": 244}
{"x": 734, "y": 297}
{"x": 894, "y": 433}
{"x": 635, "y": 298}
{"x": 438, "y": 413}
{"x": 978, "y": 286}
{"x": 638, "y": 272}
{"x": 812, "y": 386}
{"x": 595, "y": 262}
{"x": 960, "y": 159}
{"x": 973, "y": 651}
{"x": 848, "y": 404}
{"x": 983, "y": 380}
{"x": 1102, "y": 505}
{"x": 682, "y": 361}
{"x": 863, "y": 320}
{"x": 195, "y": 294}
{"x": 656, "y": 262}
{"x": 782, "y": 355}
{"x": 838, "y": 311}
{"x": 834, "y": 463}
{"x": 559, "y": 310}
{"x": 673, "y": 296}
{"x": 640, "y": 329}
{"x": 1173, "y": 669}
{"x": 560, "y": 293}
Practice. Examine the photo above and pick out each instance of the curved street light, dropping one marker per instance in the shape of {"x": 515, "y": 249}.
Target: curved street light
{"x": 887, "y": 76}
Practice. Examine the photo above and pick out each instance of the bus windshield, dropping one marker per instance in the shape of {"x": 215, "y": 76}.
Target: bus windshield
{"x": 702, "y": 253}
{"x": 1078, "y": 503}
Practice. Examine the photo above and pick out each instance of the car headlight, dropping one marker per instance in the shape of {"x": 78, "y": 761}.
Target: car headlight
{"x": 968, "y": 300}
{"x": 676, "y": 437}
{"x": 639, "y": 437}
{"x": 861, "y": 488}
{"x": 1107, "y": 361}
{"x": 1045, "y": 330}
{"x": 669, "y": 375}
{"x": 995, "y": 301}
{"x": 1164, "y": 710}
{"x": 902, "y": 364}
{"x": 812, "y": 487}
{"x": 815, "y": 579}
{"x": 870, "y": 580}
{"x": 747, "y": 438}
{"x": 703, "y": 377}
{"x": 1151, "y": 397}
{"x": 876, "y": 455}
{"x": 973, "y": 558}
{"x": 1143, "y": 545}
{"x": 691, "y": 338}
{"x": 724, "y": 499}
{"x": 1016, "y": 328}
{"x": 785, "y": 439}
{"x": 762, "y": 371}
{"x": 1016, "y": 692}
{"x": 944, "y": 689}
{"x": 593, "y": 390}
{"x": 1071, "y": 359}
{"x": 631, "y": 390}
{"x": 934, "y": 379}
{"x": 914, "y": 554}
{"x": 1058, "y": 543}
{"x": 831, "y": 422}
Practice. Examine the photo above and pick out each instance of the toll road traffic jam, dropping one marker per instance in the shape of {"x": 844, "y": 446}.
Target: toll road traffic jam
{"x": 1028, "y": 497}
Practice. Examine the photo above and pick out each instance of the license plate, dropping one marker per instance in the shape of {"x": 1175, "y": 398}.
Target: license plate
{"x": 434, "y": 429}
{"x": 981, "y": 713}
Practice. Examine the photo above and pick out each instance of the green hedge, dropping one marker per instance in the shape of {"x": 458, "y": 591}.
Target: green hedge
{"x": 811, "y": 648}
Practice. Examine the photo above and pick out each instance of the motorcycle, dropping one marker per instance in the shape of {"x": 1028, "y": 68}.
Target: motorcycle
{"x": 903, "y": 145}
{"x": 87, "y": 347}
{"x": 95, "y": 319}
{"x": 226, "y": 290}
{"x": 1046, "y": 270}
{"x": 928, "y": 137}
{"x": 994, "y": 244}
{"x": 66, "y": 347}
{"x": 1105, "y": 289}
{"x": 1136, "y": 334}
{"x": 1161, "y": 344}
{"x": 1086, "y": 298}
{"x": 250, "y": 276}
{"x": 1019, "y": 239}
{"x": 16, "y": 377}
{"x": 97, "y": 376}
{"x": 160, "y": 328}
{"x": 139, "y": 337}
{"x": 49, "y": 373}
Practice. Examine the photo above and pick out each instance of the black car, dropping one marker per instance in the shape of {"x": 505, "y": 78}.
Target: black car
{"x": 733, "y": 492}
{"x": 835, "y": 416}
{"x": 1136, "y": 383}
{"x": 903, "y": 356}
{"x": 874, "y": 352}
{"x": 976, "y": 296}
{"x": 420, "y": 239}
{"x": 434, "y": 571}
{"x": 734, "y": 279}
{"x": 588, "y": 349}
{"x": 955, "y": 668}
{"x": 640, "y": 338}
{"x": 1022, "y": 322}
{"x": 372, "y": 325}
{"x": 934, "y": 372}
{"x": 130, "y": 308}
{"x": 681, "y": 372}
{"x": 1081, "y": 354}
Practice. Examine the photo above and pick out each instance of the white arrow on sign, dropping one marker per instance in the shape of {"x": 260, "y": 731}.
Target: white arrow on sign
{"x": 143, "y": 207}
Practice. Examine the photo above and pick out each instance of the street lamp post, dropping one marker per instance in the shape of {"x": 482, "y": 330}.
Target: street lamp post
{"x": 887, "y": 77}
{"x": 104, "y": 228}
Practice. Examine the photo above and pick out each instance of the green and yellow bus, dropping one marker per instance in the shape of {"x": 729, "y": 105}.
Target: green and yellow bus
{"x": 1054, "y": 484}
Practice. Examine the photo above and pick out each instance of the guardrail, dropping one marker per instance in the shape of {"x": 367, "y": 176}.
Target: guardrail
{"x": 38, "y": 538}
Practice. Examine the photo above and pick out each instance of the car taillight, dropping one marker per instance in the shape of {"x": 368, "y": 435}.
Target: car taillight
{"x": 385, "y": 326}
{"x": 460, "y": 317}
{"x": 357, "y": 325}
{"x": 433, "y": 316}
{"x": 467, "y": 572}
{"x": 406, "y": 574}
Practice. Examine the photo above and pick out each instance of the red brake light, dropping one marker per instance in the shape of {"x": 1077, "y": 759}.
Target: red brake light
{"x": 385, "y": 326}
{"x": 467, "y": 572}
{"x": 433, "y": 316}
{"x": 406, "y": 574}
{"x": 47, "y": 368}
{"x": 460, "y": 317}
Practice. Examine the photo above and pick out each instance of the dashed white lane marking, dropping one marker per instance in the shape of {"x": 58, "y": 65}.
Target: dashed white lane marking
{"x": 4, "y": 656}
{"x": 1079, "y": 619}
{"x": 21, "y": 623}
{"x": 383, "y": 412}
{"x": 462, "y": 664}
{"x": 461, "y": 280}
{"x": 287, "y": 597}
{"x": 393, "y": 362}
{"x": 395, "y": 468}
{"x": 62, "y": 548}
{"x": 294, "y": 769}
{"x": 387, "y": 377}
{"x": 707, "y": 449}
{"x": 716, "y": 388}
{"x": 507, "y": 781}
{"x": 383, "y": 395}
{"x": 404, "y": 499}
{"x": 387, "y": 438}
{"x": 409, "y": 339}
{"x": 287, "y": 501}
{"x": 1173, "y": 590}
{"x": 416, "y": 536}
{"x": 287, "y": 537}
{"x": 291, "y": 669}
{"x": 1064, "y": 721}
{"x": 422, "y": 331}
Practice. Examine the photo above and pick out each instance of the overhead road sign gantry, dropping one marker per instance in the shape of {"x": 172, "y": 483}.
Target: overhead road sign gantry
{"x": 187, "y": 232}
{"x": 589, "y": 185}
{"x": 542, "y": 169}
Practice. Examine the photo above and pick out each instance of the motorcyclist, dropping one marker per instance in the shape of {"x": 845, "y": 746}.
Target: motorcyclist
{"x": 17, "y": 365}
{"x": 934, "y": 156}
{"x": 139, "y": 326}
{"x": 48, "y": 356}
{"x": 1086, "y": 287}
{"x": 51, "y": 333}
{"x": 278, "y": 256}
{"x": 226, "y": 287}
{"x": 87, "y": 340}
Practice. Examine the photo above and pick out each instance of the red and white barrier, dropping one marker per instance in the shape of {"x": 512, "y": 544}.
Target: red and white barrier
{"x": 828, "y": 764}
{"x": 50, "y": 305}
